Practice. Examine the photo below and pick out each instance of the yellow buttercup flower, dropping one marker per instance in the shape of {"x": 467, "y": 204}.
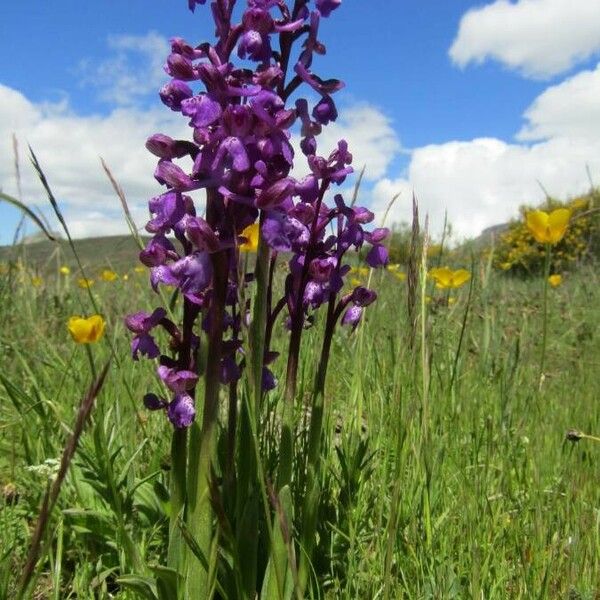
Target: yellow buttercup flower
{"x": 36, "y": 281}
{"x": 86, "y": 330}
{"x": 85, "y": 283}
{"x": 125, "y": 277}
{"x": 64, "y": 270}
{"x": 555, "y": 280}
{"x": 446, "y": 278}
{"x": 355, "y": 282}
{"x": 251, "y": 234}
{"x": 108, "y": 275}
{"x": 548, "y": 228}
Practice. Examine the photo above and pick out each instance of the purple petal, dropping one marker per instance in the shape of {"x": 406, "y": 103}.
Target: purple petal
{"x": 363, "y": 215}
{"x": 326, "y": 7}
{"x": 325, "y": 111}
{"x": 363, "y": 296}
{"x": 170, "y": 174}
{"x": 324, "y": 87}
{"x": 193, "y": 272}
{"x": 168, "y": 209}
{"x": 320, "y": 269}
{"x": 153, "y": 402}
{"x": 143, "y": 322}
{"x": 145, "y": 345}
{"x": 200, "y": 233}
{"x": 192, "y": 4}
{"x": 377, "y": 256}
{"x": 177, "y": 381}
{"x": 352, "y": 316}
{"x": 269, "y": 381}
{"x": 180, "y": 67}
{"x": 181, "y": 411}
{"x": 377, "y": 235}
{"x": 158, "y": 250}
{"x": 276, "y": 194}
{"x": 314, "y": 294}
{"x": 230, "y": 372}
{"x": 202, "y": 109}
{"x": 284, "y": 233}
{"x": 174, "y": 92}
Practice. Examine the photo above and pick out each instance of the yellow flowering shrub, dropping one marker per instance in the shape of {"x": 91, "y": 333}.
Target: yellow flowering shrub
{"x": 517, "y": 250}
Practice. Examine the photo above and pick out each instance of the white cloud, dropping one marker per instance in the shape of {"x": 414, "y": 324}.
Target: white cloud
{"x": 484, "y": 181}
{"x": 133, "y": 70}
{"x": 539, "y": 38}
{"x": 69, "y": 147}
{"x": 570, "y": 109}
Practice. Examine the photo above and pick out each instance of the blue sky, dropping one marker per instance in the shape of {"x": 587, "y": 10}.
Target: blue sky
{"x": 441, "y": 87}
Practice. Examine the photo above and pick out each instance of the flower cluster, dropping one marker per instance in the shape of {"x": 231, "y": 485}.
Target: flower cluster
{"x": 240, "y": 153}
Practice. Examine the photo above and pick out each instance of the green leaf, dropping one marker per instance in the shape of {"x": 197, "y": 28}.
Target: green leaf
{"x": 168, "y": 582}
{"x": 145, "y": 587}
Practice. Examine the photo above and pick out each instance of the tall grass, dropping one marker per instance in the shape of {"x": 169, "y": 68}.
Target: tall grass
{"x": 453, "y": 482}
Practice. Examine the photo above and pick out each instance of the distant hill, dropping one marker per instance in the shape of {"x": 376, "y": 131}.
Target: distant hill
{"x": 118, "y": 252}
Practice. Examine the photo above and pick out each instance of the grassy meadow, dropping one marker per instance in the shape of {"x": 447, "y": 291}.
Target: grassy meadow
{"x": 446, "y": 468}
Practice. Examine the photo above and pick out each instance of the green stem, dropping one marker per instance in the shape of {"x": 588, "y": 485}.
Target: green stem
{"x": 178, "y": 487}
{"x": 202, "y": 442}
{"x": 545, "y": 309}
{"x": 247, "y": 497}
{"x": 313, "y": 485}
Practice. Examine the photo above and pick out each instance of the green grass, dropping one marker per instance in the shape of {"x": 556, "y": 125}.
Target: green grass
{"x": 434, "y": 486}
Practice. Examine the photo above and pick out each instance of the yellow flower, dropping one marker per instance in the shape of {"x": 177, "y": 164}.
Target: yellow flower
{"x": 86, "y": 331}
{"x": 360, "y": 271}
{"x": 125, "y": 277}
{"x": 451, "y": 300}
{"x": 139, "y": 269}
{"x": 446, "y": 278}
{"x": 251, "y": 234}
{"x": 108, "y": 275}
{"x": 64, "y": 270}
{"x": 36, "y": 281}
{"x": 400, "y": 276}
{"x": 85, "y": 283}
{"x": 393, "y": 268}
{"x": 555, "y": 280}
{"x": 355, "y": 282}
{"x": 548, "y": 228}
